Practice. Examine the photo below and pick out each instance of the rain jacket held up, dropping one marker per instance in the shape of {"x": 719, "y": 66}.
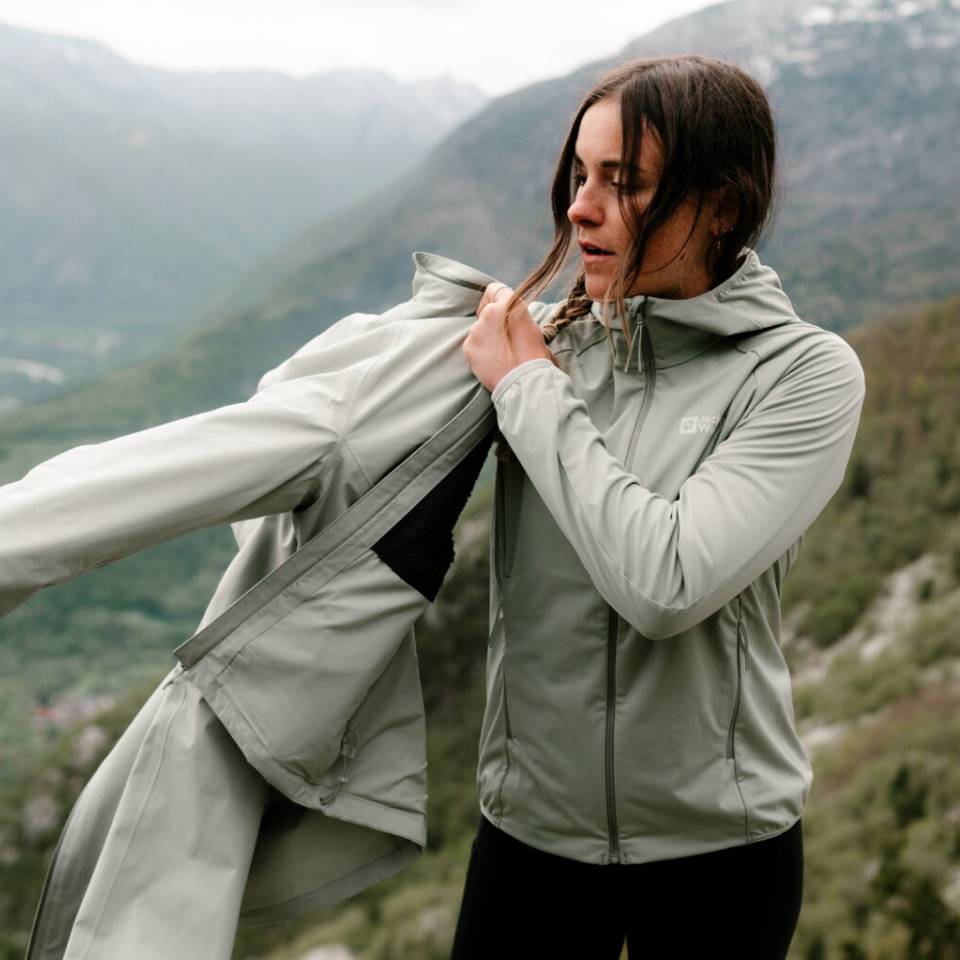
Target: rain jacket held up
{"x": 281, "y": 765}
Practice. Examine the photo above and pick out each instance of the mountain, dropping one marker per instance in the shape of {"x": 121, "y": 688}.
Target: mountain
{"x": 133, "y": 199}
{"x": 868, "y": 215}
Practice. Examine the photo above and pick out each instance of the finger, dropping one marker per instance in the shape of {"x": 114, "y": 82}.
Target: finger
{"x": 488, "y": 311}
{"x": 492, "y": 293}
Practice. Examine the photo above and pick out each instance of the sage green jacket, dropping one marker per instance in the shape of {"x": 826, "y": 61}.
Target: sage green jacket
{"x": 638, "y": 702}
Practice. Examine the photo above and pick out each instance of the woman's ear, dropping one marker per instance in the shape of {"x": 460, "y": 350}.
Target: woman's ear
{"x": 726, "y": 211}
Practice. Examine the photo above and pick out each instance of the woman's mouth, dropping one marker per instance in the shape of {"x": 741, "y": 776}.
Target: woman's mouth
{"x": 592, "y": 254}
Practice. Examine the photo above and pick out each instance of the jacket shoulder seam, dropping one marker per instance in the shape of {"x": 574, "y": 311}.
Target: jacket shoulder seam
{"x": 358, "y": 390}
{"x": 344, "y": 442}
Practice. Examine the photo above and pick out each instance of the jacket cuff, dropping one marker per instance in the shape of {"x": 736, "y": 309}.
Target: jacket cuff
{"x": 512, "y": 375}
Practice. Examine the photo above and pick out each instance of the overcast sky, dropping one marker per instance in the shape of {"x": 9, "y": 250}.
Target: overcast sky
{"x": 495, "y": 44}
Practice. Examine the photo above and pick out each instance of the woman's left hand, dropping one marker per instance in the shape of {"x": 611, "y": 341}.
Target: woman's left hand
{"x": 486, "y": 348}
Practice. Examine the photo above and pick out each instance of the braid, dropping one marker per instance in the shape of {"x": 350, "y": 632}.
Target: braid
{"x": 576, "y": 305}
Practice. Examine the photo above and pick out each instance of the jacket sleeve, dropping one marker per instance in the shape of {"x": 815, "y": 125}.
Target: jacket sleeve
{"x": 665, "y": 565}
{"x": 99, "y": 502}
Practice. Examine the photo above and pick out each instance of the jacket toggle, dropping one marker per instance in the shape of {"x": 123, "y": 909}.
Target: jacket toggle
{"x": 348, "y": 750}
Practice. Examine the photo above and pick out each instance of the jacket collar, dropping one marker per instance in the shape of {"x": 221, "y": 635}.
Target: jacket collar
{"x": 750, "y": 299}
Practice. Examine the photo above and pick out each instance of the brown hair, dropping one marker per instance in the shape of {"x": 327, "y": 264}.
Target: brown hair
{"x": 716, "y": 131}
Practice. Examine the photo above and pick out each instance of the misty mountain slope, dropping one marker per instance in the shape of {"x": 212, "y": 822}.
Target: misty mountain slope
{"x": 869, "y": 219}
{"x": 132, "y": 198}
{"x": 869, "y": 215}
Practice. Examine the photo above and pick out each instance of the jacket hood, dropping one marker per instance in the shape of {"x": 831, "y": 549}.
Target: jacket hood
{"x": 442, "y": 287}
{"x": 750, "y": 299}
{"x": 447, "y": 285}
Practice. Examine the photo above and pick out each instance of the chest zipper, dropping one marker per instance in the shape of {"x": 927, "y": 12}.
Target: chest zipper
{"x": 613, "y": 618}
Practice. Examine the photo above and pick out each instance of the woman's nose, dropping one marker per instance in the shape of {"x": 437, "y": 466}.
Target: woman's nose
{"x": 584, "y": 209}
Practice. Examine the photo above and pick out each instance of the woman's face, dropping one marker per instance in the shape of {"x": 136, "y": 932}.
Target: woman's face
{"x": 596, "y": 214}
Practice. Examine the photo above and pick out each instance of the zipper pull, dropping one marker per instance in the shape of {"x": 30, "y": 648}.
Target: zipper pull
{"x": 637, "y": 333}
{"x": 638, "y": 336}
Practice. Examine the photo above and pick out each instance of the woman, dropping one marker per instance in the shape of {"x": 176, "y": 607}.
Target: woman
{"x": 640, "y": 775}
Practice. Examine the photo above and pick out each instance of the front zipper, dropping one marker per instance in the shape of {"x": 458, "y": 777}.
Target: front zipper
{"x": 612, "y": 622}
{"x": 613, "y": 619}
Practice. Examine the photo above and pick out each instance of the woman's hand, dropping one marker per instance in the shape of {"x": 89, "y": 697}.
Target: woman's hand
{"x": 487, "y": 349}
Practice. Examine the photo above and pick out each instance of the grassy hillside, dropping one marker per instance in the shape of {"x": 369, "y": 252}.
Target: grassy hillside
{"x": 901, "y": 495}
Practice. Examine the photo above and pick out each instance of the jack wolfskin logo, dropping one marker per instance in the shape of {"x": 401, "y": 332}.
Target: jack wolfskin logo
{"x": 702, "y": 424}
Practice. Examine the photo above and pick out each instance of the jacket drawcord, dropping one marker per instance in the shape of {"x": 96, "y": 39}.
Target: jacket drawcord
{"x": 348, "y": 750}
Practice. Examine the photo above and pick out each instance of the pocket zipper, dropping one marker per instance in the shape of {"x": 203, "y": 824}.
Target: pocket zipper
{"x": 731, "y": 729}
{"x": 498, "y": 624}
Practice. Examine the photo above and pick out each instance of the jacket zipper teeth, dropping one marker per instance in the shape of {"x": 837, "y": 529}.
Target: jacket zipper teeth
{"x": 649, "y": 379}
{"x": 611, "y": 707}
{"x": 506, "y": 705}
{"x": 649, "y": 375}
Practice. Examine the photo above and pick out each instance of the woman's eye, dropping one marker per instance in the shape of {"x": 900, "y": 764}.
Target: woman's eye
{"x": 621, "y": 186}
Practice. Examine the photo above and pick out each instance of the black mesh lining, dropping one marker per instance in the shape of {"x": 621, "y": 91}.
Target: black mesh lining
{"x": 419, "y": 549}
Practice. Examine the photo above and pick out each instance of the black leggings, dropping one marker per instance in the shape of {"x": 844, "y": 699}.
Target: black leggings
{"x": 518, "y": 901}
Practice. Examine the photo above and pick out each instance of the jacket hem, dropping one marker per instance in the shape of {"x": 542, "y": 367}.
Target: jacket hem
{"x": 378, "y": 816}
{"x": 339, "y": 890}
{"x": 659, "y": 848}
